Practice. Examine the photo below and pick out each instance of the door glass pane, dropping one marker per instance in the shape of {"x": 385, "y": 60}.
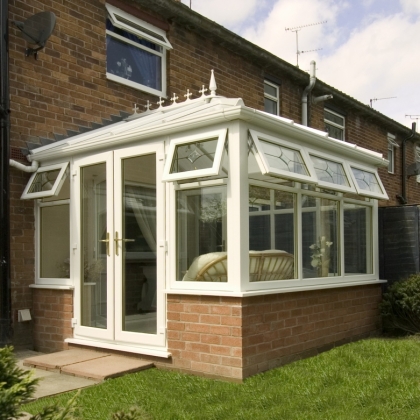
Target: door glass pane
{"x": 138, "y": 244}
{"x": 320, "y": 237}
{"x": 94, "y": 250}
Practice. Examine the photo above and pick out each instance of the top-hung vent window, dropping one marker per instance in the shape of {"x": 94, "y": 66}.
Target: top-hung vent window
{"x": 136, "y": 52}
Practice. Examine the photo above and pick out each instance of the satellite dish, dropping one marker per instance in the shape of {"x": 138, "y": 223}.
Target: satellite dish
{"x": 36, "y": 30}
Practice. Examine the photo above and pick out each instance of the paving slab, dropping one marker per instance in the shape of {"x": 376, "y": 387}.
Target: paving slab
{"x": 110, "y": 366}
{"x": 56, "y": 361}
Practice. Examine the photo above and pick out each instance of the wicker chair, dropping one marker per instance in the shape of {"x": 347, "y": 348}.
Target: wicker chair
{"x": 263, "y": 266}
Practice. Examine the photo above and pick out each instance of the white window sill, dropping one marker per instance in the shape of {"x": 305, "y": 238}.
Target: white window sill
{"x": 261, "y": 292}
{"x": 51, "y": 286}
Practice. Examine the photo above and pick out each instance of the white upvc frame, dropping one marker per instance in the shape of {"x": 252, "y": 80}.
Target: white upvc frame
{"x": 198, "y": 173}
{"x": 143, "y": 30}
{"x": 364, "y": 192}
{"x": 267, "y": 169}
{"x": 272, "y": 98}
{"x": 346, "y": 168}
{"x": 334, "y": 124}
{"x": 392, "y": 145}
{"x": 55, "y": 188}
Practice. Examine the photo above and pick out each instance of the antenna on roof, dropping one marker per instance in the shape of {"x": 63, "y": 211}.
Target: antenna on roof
{"x": 380, "y": 99}
{"x": 296, "y": 29}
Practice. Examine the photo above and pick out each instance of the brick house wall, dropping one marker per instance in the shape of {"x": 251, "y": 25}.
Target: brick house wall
{"x": 66, "y": 88}
{"x": 238, "y": 337}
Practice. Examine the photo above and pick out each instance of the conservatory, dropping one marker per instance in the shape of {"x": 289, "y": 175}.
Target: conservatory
{"x": 203, "y": 204}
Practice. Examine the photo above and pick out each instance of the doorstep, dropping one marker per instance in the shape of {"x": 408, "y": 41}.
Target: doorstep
{"x": 89, "y": 364}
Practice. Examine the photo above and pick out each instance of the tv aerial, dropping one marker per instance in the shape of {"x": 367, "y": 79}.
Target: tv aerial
{"x": 36, "y": 30}
{"x": 380, "y": 99}
{"x": 296, "y": 30}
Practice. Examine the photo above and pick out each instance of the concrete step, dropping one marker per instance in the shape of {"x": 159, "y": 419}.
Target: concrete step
{"x": 89, "y": 364}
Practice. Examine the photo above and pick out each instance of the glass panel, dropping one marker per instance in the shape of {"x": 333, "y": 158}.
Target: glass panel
{"x": 329, "y": 171}
{"x": 259, "y": 199}
{"x": 94, "y": 250}
{"x": 64, "y": 193}
{"x": 202, "y": 234}
{"x": 320, "y": 239}
{"x": 194, "y": 156}
{"x": 259, "y": 233}
{"x": 367, "y": 180}
{"x": 285, "y": 221}
{"x": 334, "y": 118}
{"x": 44, "y": 181}
{"x": 270, "y": 106}
{"x": 139, "y": 244}
{"x": 270, "y": 90}
{"x": 283, "y": 158}
{"x": 357, "y": 239}
{"x": 334, "y": 132}
{"x": 132, "y": 63}
{"x": 55, "y": 242}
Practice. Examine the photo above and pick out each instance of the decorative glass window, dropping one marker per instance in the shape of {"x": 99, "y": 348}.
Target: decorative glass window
{"x": 280, "y": 158}
{"x": 368, "y": 183}
{"x": 392, "y": 144}
{"x": 202, "y": 234}
{"x": 195, "y": 156}
{"x": 136, "y": 52}
{"x": 334, "y": 124}
{"x": 46, "y": 181}
{"x": 271, "y": 98}
{"x": 332, "y": 174}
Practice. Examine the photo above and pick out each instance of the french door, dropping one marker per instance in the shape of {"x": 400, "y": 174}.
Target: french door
{"x": 119, "y": 258}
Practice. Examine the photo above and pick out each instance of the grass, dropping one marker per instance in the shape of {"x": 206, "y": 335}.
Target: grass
{"x": 369, "y": 379}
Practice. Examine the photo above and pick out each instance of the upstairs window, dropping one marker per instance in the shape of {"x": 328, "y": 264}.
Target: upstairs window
{"x": 334, "y": 124}
{"x": 392, "y": 144}
{"x": 271, "y": 98}
{"x": 136, "y": 52}
{"x": 418, "y": 160}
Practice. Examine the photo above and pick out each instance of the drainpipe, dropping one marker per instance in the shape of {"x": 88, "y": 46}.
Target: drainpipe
{"x": 5, "y": 283}
{"x": 306, "y": 92}
{"x": 32, "y": 168}
{"x": 402, "y": 198}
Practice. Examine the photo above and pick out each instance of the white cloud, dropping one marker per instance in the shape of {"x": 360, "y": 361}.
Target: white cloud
{"x": 410, "y": 6}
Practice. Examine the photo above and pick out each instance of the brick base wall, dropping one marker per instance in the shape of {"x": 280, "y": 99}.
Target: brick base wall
{"x": 52, "y": 313}
{"x": 234, "y": 338}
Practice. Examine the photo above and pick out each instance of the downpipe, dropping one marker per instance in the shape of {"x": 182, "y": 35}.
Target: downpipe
{"x": 25, "y": 168}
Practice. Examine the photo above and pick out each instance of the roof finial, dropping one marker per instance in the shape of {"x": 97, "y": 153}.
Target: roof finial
{"x": 187, "y": 95}
{"x": 203, "y": 89}
{"x": 212, "y": 85}
{"x": 174, "y": 98}
{"x": 135, "y": 109}
{"x": 147, "y": 106}
{"x": 160, "y": 102}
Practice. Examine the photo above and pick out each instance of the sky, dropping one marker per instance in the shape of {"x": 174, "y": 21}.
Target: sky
{"x": 369, "y": 49}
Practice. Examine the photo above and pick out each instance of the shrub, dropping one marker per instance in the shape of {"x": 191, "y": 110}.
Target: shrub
{"x": 400, "y": 308}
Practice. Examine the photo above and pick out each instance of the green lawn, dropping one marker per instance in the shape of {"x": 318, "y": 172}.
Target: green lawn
{"x": 370, "y": 379}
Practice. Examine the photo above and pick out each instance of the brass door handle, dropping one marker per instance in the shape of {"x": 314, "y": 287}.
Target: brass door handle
{"x": 116, "y": 239}
{"x": 107, "y": 243}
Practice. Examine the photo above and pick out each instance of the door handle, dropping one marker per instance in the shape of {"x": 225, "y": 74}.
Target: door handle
{"x": 116, "y": 239}
{"x": 107, "y": 243}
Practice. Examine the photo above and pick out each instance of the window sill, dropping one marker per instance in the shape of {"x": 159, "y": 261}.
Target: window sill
{"x": 51, "y": 286}
{"x": 262, "y": 292}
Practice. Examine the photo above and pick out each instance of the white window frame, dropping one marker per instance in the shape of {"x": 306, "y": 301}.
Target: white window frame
{"x": 336, "y": 187}
{"x": 276, "y": 98}
{"x": 56, "y": 187}
{"x": 265, "y": 167}
{"x": 198, "y": 173}
{"x": 367, "y": 193}
{"x": 392, "y": 145}
{"x": 150, "y": 33}
{"x": 417, "y": 158}
{"x": 334, "y": 124}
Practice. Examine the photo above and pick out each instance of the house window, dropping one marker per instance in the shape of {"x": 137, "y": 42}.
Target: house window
{"x": 392, "y": 145}
{"x": 334, "y": 124}
{"x": 271, "y": 98}
{"x": 368, "y": 183}
{"x": 46, "y": 181}
{"x": 136, "y": 52}
{"x": 417, "y": 151}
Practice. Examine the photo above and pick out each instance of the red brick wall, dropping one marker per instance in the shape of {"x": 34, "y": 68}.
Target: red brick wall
{"x": 52, "y": 313}
{"x": 238, "y": 337}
